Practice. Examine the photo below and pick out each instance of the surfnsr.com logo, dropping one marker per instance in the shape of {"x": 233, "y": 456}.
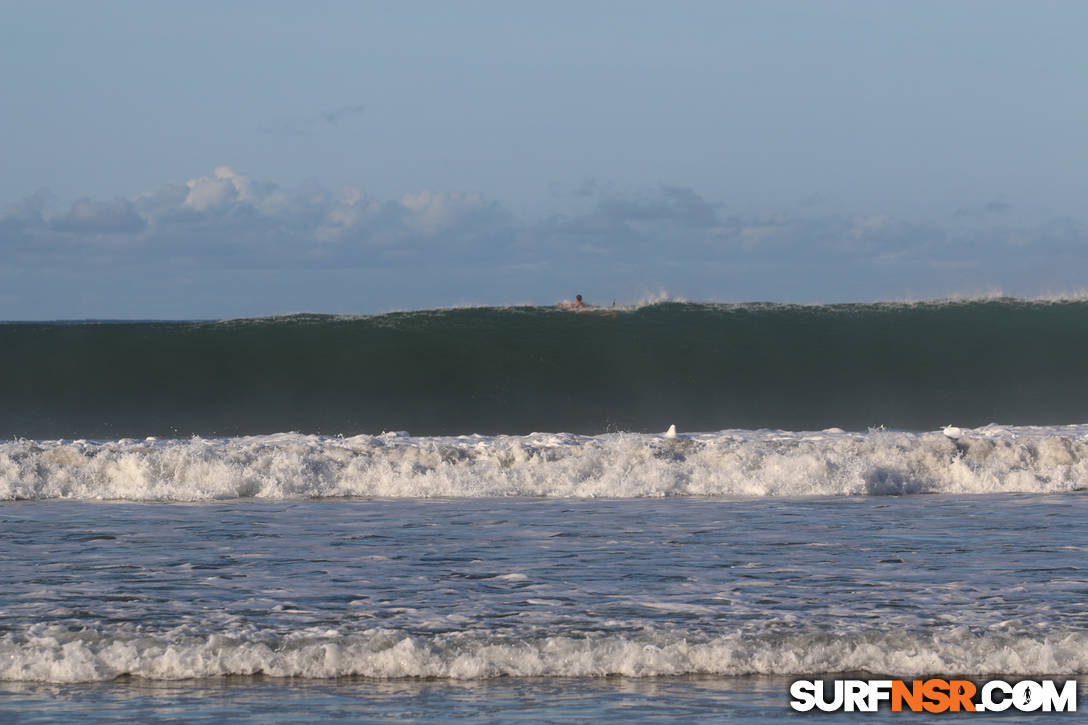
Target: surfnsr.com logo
{"x": 933, "y": 695}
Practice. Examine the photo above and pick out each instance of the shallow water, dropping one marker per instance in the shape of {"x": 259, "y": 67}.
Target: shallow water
{"x": 703, "y": 698}
{"x": 531, "y": 609}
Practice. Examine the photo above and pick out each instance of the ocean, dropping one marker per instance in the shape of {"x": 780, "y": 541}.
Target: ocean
{"x": 486, "y": 514}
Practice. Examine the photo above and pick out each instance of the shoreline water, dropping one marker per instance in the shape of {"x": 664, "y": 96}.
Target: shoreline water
{"x": 687, "y": 698}
{"x": 473, "y": 599}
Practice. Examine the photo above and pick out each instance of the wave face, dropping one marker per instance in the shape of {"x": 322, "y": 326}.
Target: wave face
{"x": 624, "y": 465}
{"x": 523, "y": 369}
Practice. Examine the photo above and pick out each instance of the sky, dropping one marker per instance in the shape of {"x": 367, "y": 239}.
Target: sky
{"x": 212, "y": 160}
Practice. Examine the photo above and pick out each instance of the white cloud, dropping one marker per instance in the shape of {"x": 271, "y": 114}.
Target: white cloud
{"x": 226, "y": 189}
{"x": 431, "y": 212}
{"x": 227, "y": 210}
{"x": 670, "y": 236}
{"x": 218, "y": 191}
{"x": 351, "y": 212}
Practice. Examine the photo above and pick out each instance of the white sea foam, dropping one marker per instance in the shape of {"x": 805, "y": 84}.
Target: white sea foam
{"x": 728, "y": 463}
{"x": 52, "y": 653}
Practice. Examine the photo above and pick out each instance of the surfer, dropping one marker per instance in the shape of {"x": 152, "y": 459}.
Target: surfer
{"x": 581, "y": 306}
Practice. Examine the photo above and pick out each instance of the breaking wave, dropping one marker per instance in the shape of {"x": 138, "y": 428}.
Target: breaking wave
{"x": 992, "y": 459}
{"x": 52, "y": 653}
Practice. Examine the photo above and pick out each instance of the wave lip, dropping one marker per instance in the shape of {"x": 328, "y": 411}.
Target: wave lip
{"x": 992, "y": 459}
{"x": 54, "y": 654}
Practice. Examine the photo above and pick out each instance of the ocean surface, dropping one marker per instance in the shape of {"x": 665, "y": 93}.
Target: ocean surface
{"x": 482, "y": 514}
{"x": 521, "y": 370}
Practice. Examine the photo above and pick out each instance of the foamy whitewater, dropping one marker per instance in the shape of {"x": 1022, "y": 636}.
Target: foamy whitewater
{"x": 224, "y": 572}
{"x": 395, "y": 465}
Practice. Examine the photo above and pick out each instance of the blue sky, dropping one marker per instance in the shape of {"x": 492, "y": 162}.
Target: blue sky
{"x": 227, "y": 159}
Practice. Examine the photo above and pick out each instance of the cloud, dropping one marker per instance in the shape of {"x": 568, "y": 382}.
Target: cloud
{"x": 677, "y": 224}
{"x": 98, "y": 217}
{"x": 218, "y": 191}
{"x": 226, "y": 189}
{"x": 458, "y": 245}
{"x": 228, "y": 218}
{"x": 676, "y": 217}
